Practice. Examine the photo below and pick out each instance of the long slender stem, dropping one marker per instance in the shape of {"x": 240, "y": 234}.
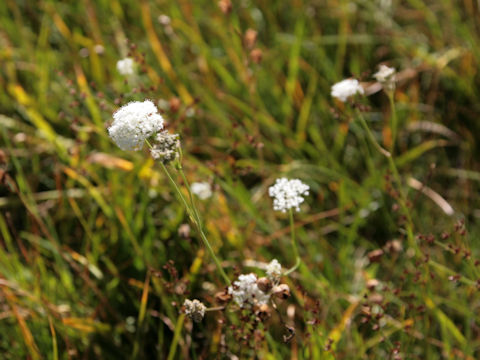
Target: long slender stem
{"x": 192, "y": 202}
{"x": 393, "y": 167}
{"x": 393, "y": 119}
{"x": 192, "y": 212}
{"x": 370, "y": 135}
{"x": 294, "y": 245}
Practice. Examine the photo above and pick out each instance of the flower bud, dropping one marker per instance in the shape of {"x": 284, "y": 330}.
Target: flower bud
{"x": 281, "y": 291}
{"x": 264, "y": 284}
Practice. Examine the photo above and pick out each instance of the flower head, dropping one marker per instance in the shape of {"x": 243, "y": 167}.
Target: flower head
{"x": 346, "y": 88}
{"x": 274, "y": 270}
{"x": 246, "y": 293}
{"x": 166, "y": 147}
{"x": 134, "y": 123}
{"x": 125, "y": 66}
{"x": 202, "y": 189}
{"x": 386, "y": 76}
{"x": 194, "y": 309}
{"x": 287, "y": 194}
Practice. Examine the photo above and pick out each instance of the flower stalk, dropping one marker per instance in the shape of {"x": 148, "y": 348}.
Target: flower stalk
{"x": 294, "y": 245}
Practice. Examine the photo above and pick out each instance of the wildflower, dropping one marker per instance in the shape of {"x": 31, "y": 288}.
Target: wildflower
{"x": 202, "y": 189}
{"x": 166, "y": 147}
{"x": 274, "y": 270}
{"x": 287, "y": 194}
{"x": 386, "y": 76}
{"x": 125, "y": 66}
{"x": 246, "y": 293}
{"x": 134, "y": 123}
{"x": 194, "y": 309}
{"x": 346, "y": 88}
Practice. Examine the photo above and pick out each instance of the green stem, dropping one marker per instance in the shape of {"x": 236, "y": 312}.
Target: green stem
{"x": 193, "y": 213}
{"x": 187, "y": 185}
{"x": 393, "y": 167}
{"x": 294, "y": 245}
{"x": 393, "y": 119}
{"x": 370, "y": 135}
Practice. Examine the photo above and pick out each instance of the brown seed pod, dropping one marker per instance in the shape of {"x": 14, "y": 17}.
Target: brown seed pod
{"x": 263, "y": 312}
{"x": 256, "y": 55}
{"x": 223, "y": 297}
{"x": 281, "y": 291}
{"x": 264, "y": 284}
{"x": 375, "y": 255}
{"x": 372, "y": 284}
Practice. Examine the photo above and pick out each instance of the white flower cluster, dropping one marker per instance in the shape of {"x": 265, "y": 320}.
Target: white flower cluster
{"x": 134, "y": 123}
{"x": 125, "y": 66}
{"x": 194, "y": 309}
{"x": 246, "y": 293}
{"x": 274, "y": 270}
{"x": 287, "y": 194}
{"x": 202, "y": 189}
{"x": 166, "y": 147}
{"x": 346, "y": 88}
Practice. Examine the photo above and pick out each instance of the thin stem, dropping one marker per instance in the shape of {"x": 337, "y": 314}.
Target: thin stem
{"x": 370, "y": 135}
{"x": 393, "y": 119}
{"x": 187, "y": 185}
{"x": 193, "y": 217}
{"x": 294, "y": 245}
{"x": 393, "y": 167}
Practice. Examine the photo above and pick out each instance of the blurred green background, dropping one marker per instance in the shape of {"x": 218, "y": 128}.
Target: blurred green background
{"x": 92, "y": 265}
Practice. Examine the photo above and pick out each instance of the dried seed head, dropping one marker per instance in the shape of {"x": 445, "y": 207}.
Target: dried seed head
{"x": 264, "y": 284}
{"x": 223, "y": 297}
{"x": 375, "y": 255}
{"x": 166, "y": 148}
{"x": 281, "y": 291}
{"x": 250, "y": 38}
{"x": 263, "y": 312}
{"x": 256, "y": 55}
{"x": 394, "y": 246}
{"x": 225, "y": 6}
{"x": 194, "y": 309}
{"x": 372, "y": 284}
{"x": 174, "y": 104}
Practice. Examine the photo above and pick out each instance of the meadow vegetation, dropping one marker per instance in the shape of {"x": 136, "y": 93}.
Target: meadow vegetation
{"x": 98, "y": 253}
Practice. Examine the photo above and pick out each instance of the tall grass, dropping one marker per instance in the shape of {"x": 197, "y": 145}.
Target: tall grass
{"x": 91, "y": 261}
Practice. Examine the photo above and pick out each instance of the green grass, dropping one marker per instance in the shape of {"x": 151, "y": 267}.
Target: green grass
{"x": 91, "y": 262}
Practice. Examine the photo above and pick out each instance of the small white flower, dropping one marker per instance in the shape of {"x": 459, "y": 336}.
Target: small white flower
{"x": 202, "y": 189}
{"x": 386, "y": 76}
{"x": 194, "y": 309}
{"x": 274, "y": 270}
{"x": 134, "y": 123}
{"x": 125, "y": 66}
{"x": 346, "y": 88}
{"x": 164, "y": 19}
{"x": 246, "y": 293}
{"x": 287, "y": 194}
